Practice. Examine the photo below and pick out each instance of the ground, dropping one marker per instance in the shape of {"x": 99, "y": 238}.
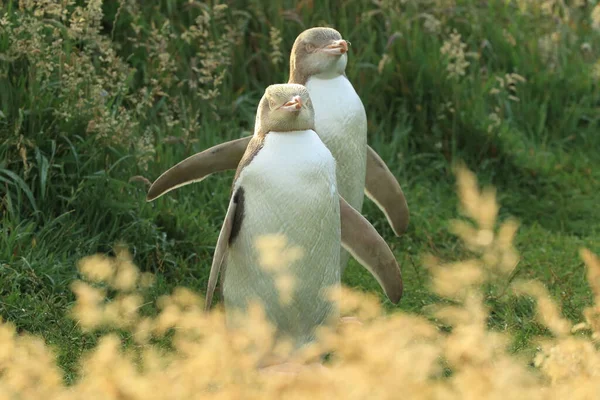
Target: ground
{"x": 511, "y": 89}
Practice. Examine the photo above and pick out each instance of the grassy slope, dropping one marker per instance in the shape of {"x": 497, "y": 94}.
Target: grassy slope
{"x": 543, "y": 160}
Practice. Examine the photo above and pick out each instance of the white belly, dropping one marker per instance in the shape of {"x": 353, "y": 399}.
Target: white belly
{"x": 290, "y": 189}
{"x": 341, "y": 123}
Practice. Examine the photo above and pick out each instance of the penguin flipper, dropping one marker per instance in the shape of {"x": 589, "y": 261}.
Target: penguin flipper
{"x": 229, "y": 230}
{"x": 384, "y": 190}
{"x": 195, "y": 168}
{"x": 361, "y": 240}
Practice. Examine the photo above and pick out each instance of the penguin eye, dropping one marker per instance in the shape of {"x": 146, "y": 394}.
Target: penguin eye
{"x": 310, "y": 48}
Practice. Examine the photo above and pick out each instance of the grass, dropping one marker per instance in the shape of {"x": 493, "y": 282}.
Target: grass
{"x": 73, "y": 196}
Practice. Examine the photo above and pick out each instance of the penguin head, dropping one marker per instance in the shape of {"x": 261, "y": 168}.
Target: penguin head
{"x": 318, "y": 51}
{"x": 285, "y": 107}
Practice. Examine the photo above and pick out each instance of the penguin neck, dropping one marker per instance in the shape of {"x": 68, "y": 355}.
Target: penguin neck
{"x": 289, "y": 135}
{"x": 290, "y": 151}
{"x": 292, "y": 141}
{"x": 302, "y": 79}
{"x": 325, "y": 91}
{"x": 297, "y": 76}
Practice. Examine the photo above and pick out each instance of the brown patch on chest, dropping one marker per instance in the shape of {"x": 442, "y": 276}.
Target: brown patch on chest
{"x": 238, "y": 217}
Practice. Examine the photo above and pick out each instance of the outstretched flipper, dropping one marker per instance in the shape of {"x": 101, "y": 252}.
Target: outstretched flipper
{"x": 385, "y": 191}
{"x": 361, "y": 239}
{"x": 230, "y": 227}
{"x": 195, "y": 168}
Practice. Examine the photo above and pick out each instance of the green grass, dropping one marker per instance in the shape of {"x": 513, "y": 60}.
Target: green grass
{"x": 74, "y": 197}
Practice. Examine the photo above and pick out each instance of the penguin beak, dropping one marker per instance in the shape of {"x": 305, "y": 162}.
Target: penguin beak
{"x": 338, "y": 47}
{"x": 295, "y": 104}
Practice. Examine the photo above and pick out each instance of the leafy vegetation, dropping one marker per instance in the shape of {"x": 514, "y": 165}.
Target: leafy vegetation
{"x": 98, "y": 98}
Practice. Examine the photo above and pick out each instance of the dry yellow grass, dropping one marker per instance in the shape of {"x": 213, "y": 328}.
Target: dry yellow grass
{"x": 387, "y": 356}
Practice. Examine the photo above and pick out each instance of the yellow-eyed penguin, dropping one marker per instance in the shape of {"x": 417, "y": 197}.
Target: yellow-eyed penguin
{"x": 286, "y": 185}
{"x": 318, "y": 61}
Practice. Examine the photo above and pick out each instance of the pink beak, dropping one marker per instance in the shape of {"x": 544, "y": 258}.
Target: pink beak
{"x": 295, "y": 104}
{"x": 337, "y": 48}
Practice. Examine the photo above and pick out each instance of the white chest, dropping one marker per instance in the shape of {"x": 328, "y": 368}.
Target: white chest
{"x": 290, "y": 185}
{"x": 289, "y": 162}
{"x": 341, "y": 122}
{"x": 338, "y": 109}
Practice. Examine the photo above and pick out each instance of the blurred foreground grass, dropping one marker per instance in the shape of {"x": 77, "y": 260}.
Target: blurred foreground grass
{"x": 185, "y": 353}
{"x": 98, "y": 97}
